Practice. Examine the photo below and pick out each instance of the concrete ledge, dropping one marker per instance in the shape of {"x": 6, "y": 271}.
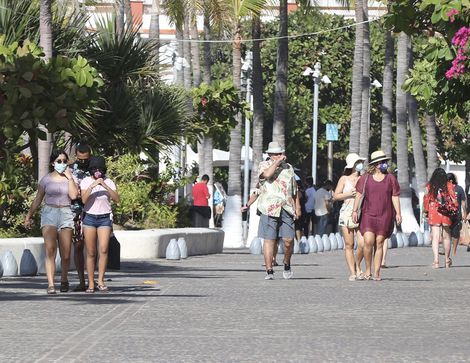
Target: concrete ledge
{"x": 152, "y": 243}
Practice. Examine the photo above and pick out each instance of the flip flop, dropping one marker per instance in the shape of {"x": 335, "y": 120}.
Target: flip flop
{"x": 51, "y": 290}
{"x": 103, "y": 288}
{"x": 89, "y": 291}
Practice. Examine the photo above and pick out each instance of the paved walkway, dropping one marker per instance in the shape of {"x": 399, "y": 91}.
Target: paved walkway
{"x": 219, "y": 309}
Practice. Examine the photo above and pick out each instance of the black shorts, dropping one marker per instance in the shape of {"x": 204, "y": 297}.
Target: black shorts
{"x": 455, "y": 229}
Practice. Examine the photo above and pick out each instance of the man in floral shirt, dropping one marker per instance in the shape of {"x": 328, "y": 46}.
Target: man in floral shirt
{"x": 279, "y": 206}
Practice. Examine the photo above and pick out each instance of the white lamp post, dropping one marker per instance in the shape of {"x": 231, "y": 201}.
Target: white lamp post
{"x": 375, "y": 84}
{"x": 315, "y": 74}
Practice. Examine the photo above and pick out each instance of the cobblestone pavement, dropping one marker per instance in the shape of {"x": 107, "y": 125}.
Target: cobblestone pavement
{"x": 218, "y": 308}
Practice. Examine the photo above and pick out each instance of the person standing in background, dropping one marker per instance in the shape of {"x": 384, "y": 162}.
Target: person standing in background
{"x": 309, "y": 205}
{"x": 323, "y": 205}
{"x": 201, "y": 212}
{"x": 462, "y": 212}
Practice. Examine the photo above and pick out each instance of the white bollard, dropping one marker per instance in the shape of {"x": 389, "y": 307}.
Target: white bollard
{"x": 319, "y": 241}
{"x": 172, "y": 250}
{"x": 326, "y": 243}
{"x": 312, "y": 244}
{"x": 28, "y": 265}
{"x": 183, "y": 247}
{"x": 10, "y": 267}
{"x": 333, "y": 241}
{"x": 256, "y": 247}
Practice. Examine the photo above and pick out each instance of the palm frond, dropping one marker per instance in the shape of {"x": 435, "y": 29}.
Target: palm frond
{"x": 19, "y": 20}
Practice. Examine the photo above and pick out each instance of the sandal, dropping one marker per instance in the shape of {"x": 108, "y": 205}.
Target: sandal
{"x": 90, "y": 290}
{"x": 102, "y": 288}
{"x": 367, "y": 277}
{"x": 377, "y": 278}
{"x": 448, "y": 263}
{"x": 435, "y": 264}
{"x": 64, "y": 286}
{"x": 360, "y": 275}
{"x": 51, "y": 290}
{"x": 352, "y": 277}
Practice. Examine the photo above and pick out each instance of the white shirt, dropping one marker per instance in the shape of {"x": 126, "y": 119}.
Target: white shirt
{"x": 322, "y": 197}
{"x": 310, "y": 202}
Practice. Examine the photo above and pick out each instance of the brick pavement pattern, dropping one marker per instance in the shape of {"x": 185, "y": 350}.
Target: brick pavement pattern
{"x": 219, "y": 308}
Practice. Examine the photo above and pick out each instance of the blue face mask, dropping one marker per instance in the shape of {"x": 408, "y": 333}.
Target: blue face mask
{"x": 359, "y": 167}
{"x": 60, "y": 168}
{"x": 383, "y": 167}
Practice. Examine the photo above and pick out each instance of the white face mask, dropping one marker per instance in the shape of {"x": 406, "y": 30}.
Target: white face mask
{"x": 359, "y": 167}
{"x": 60, "y": 168}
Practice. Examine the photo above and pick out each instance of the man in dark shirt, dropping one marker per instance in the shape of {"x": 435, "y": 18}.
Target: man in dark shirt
{"x": 462, "y": 201}
{"x": 79, "y": 171}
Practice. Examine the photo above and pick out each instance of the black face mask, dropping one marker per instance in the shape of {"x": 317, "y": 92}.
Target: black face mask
{"x": 83, "y": 164}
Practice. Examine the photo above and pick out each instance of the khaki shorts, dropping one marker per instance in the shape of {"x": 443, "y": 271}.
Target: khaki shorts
{"x": 273, "y": 228}
{"x": 57, "y": 217}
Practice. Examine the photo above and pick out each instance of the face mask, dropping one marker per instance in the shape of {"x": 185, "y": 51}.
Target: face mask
{"x": 82, "y": 164}
{"x": 383, "y": 167}
{"x": 97, "y": 174}
{"x": 60, "y": 168}
{"x": 359, "y": 167}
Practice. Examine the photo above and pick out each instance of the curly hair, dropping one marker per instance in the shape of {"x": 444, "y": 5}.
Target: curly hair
{"x": 438, "y": 182}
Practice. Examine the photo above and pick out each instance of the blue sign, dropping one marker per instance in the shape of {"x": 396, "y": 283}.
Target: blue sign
{"x": 331, "y": 132}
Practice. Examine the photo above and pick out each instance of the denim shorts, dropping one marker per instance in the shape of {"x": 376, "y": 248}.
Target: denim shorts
{"x": 97, "y": 220}
{"x": 273, "y": 228}
{"x": 59, "y": 217}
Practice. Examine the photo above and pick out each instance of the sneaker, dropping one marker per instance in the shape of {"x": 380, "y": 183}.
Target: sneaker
{"x": 287, "y": 273}
{"x": 269, "y": 275}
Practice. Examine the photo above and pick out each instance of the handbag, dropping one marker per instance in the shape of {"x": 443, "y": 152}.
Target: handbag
{"x": 447, "y": 206}
{"x": 465, "y": 234}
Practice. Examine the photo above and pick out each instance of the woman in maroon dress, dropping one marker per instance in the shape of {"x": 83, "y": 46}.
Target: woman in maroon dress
{"x": 380, "y": 208}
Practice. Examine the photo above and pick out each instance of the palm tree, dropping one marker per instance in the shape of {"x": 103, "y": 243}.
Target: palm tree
{"x": 258, "y": 121}
{"x": 280, "y": 92}
{"x": 45, "y": 31}
{"x": 365, "y": 109}
{"x": 356, "y": 98}
{"x": 403, "y": 49}
{"x": 239, "y": 9}
{"x": 154, "y": 31}
{"x": 119, "y": 9}
{"x": 431, "y": 142}
{"x": 387, "y": 96}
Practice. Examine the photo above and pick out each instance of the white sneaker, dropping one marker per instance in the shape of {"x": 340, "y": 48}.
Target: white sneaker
{"x": 287, "y": 274}
{"x": 269, "y": 277}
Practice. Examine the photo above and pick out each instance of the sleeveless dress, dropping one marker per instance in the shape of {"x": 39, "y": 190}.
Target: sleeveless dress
{"x": 378, "y": 214}
{"x": 347, "y": 207}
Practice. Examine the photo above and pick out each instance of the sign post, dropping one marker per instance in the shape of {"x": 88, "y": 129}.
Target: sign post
{"x": 331, "y": 135}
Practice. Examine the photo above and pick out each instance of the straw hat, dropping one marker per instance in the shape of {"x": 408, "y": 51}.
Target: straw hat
{"x": 352, "y": 159}
{"x": 274, "y": 148}
{"x": 378, "y": 156}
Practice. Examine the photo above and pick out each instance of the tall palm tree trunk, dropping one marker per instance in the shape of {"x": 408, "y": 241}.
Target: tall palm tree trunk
{"x": 179, "y": 57}
{"x": 187, "y": 53}
{"x": 280, "y": 93}
{"x": 431, "y": 142}
{"x": 258, "y": 123}
{"x": 207, "y": 49}
{"x": 196, "y": 60}
{"x": 356, "y": 98}
{"x": 120, "y": 11}
{"x": 128, "y": 12}
{"x": 154, "y": 31}
{"x": 409, "y": 222}
{"x": 365, "y": 107}
{"x": 233, "y": 222}
{"x": 387, "y": 96}
{"x": 45, "y": 31}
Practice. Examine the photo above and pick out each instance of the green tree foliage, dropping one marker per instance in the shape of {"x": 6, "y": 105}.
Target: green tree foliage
{"x": 432, "y": 80}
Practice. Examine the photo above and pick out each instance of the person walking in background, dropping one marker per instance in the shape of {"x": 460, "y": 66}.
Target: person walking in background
{"x": 299, "y": 222}
{"x": 462, "y": 211}
{"x": 323, "y": 206}
{"x": 97, "y": 191}
{"x": 58, "y": 189}
{"x": 79, "y": 170}
{"x": 441, "y": 207}
{"x": 220, "y": 198}
{"x": 345, "y": 192}
{"x": 309, "y": 205}
{"x": 380, "y": 208}
{"x": 200, "y": 211}
{"x": 279, "y": 206}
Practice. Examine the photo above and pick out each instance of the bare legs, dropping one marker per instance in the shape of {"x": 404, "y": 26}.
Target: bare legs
{"x": 348, "y": 235}
{"x": 91, "y": 234}
{"x": 80, "y": 260}
{"x": 50, "y": 236}
{"x": 436, "y": 236}
{"x": 379, "y": 242}
{"x": 385, "y": 249}
{"x": 288, "y": 249}
{"x": 371, "y": 242}
{"x": 360, "y": 251}
{"x": 268, "y": 252}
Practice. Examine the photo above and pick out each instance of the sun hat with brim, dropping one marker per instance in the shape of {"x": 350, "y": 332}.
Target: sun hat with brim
{"x": 352, "y": 159}
{"x": 378, "y": 156}
{"x": 274, "y": 148}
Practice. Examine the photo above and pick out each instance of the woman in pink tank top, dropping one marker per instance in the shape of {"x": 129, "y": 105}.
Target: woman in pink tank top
{"x": 57, "y": 189}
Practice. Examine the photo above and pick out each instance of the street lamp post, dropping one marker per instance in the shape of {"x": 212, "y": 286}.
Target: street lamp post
{"x": 315, "y": 74}
{"x": 246, "y": 69}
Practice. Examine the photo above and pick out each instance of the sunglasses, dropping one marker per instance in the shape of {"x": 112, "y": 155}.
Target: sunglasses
{"x": 60, "y": 161}
{"x": 82, "y": 160}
